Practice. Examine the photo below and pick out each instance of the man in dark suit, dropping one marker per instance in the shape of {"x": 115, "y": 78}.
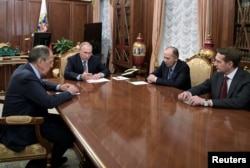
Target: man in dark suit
{"x": 27, "y": 95}
{"x": 172, "y": 71}
{"x": 84, "y": 66}
{"x": 236, "y": 84}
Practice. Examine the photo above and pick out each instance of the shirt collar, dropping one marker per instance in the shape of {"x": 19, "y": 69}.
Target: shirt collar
{"x": 231, "y": 75}
{"x": 173, "y": 67}
{"x": 36, "y": 71}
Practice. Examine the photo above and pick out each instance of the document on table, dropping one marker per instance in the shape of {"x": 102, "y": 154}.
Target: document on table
{"x": 139, "y": 83}
{"x": 120, "y": 78}
{"x": 97, "y": 80}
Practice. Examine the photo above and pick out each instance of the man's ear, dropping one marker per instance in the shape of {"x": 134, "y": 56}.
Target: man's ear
{"x": 230, "y": 63}
{"x": 39, "y": 61}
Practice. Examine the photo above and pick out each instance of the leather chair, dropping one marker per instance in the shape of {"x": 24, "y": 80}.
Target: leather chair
{"x": 58, "y": 72}
{"x": 200, "y": 69}
{"x": 40, "y": 150}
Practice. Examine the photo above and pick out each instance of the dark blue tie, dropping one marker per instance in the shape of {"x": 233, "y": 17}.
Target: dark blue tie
{"x": 170, "y": 71}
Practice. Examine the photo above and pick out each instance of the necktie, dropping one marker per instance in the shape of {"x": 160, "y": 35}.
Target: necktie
{"x": 170, "y": 71}
{"x": 84, "y": 66}
{"x": 223, "y": 91}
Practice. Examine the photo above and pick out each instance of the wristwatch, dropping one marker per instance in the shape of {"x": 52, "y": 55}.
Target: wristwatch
{"x": 205, "y": 103}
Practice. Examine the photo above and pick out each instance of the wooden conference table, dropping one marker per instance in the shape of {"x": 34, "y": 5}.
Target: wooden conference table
{"x": 123, "y": 125}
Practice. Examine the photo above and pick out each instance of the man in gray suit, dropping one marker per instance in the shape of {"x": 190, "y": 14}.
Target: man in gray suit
{"x": 237, "y": 84}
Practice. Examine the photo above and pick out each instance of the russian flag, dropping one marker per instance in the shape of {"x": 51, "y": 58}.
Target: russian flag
{"x": 43, "y": 23}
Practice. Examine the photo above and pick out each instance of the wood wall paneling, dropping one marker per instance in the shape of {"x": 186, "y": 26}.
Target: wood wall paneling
{"x": 60, "y": 22}
{"x": 19, "y": 19}
{"x": 223, "y": 22}
{"x": 81, "y": 14}
{"x": 4, "y": 21}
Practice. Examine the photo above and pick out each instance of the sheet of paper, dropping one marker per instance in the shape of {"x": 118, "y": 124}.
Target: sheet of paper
{"x": 97, "y": 80}
{"x": 120, "y": 78}
{"x": 185, "y": 101}
{"x": 139, "y": 83}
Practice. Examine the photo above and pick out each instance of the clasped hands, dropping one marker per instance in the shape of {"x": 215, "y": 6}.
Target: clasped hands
{"x": 191, "y": 100}
{"x": 69, "y": 87}
{"x": 151, "y": 78}
{"x": 88, "y": 76}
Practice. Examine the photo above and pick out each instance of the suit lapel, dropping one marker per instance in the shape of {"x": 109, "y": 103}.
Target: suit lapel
{"x": 79, "y": 64}
{"x": 235, "y": 81}
{"x": 218, "y": 87}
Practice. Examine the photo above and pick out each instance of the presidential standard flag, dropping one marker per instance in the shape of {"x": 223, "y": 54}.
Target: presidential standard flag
{"x": 43, "y": 24}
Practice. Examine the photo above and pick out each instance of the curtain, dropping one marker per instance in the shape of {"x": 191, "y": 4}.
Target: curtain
{"x": 204, "y": 19}
{"x": 181, "y": 28}
{"x": 158, "y": 19}
{"x": 96, "y": 10}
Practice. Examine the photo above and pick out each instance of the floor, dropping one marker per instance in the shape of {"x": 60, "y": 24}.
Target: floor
{"x": 73, "y": 161}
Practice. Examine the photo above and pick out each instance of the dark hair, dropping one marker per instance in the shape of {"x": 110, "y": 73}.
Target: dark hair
{"x": 40, "y": 51}
{"x": 175, "y": 51}
{"x": 231, "y": 54}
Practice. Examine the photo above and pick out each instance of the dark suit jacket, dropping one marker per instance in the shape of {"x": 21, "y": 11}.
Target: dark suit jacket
{"x": 238, "y": 96}
{"x": 74, "y": 67}
{"x": 180, "y": 76}
{"x": 27, "y": 95}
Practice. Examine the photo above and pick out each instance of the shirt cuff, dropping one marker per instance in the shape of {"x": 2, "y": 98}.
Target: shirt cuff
{"x": 79, "y": 77}
{"x": 58, "y": 87}
{"x": 102, "y": 75}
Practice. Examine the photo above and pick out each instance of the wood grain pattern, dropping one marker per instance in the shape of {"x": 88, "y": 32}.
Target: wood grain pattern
{"x": 123, "y": 125}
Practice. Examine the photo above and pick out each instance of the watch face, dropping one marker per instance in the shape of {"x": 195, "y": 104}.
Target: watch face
{"x": 205, "y": 103}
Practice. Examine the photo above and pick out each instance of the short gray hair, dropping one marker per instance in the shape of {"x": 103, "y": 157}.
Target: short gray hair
{"x": 40, "y": 51}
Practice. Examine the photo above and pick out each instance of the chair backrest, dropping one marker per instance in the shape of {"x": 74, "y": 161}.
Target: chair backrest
{"x": 64, "y": 57}
{"x": 200, "y": 69}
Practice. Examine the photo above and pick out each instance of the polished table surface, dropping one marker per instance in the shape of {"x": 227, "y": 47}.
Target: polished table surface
{"x": 124, "y": 125}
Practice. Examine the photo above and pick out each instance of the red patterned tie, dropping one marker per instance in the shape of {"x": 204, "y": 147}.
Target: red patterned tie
{"x": 223, "y": 91}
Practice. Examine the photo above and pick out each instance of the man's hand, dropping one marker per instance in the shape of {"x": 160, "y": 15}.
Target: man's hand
{"x": 151, "y": 78}
{"x": 97, "y": 76}
{"x": 184, "y": 96}
{"x": 65, "y": 86}
{"x": 87, "y": 76}
{"x": 73, "y": 90}
{"x": 196, "y": 101}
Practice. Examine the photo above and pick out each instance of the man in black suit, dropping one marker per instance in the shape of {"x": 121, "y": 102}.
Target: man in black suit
{"x": 236, "y": 85}
{"x": 27, "y": 95}
{"x": 84, "y": 65}
{"x": 172, "y": 71}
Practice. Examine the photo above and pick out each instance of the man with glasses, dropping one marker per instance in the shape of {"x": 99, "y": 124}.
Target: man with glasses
{"x": 172, "y": 71}
{"x": 84, "y": 65}
{"x": 27, "y": 95}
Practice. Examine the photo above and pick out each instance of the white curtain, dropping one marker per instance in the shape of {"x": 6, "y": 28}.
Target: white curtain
{"x": 180, "y": 28}
{"x": 106, "y": 30}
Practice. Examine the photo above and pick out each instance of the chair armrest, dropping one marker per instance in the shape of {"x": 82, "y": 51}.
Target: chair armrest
{"x": 28, "y": 120}
{"x": 21, "y": 120}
